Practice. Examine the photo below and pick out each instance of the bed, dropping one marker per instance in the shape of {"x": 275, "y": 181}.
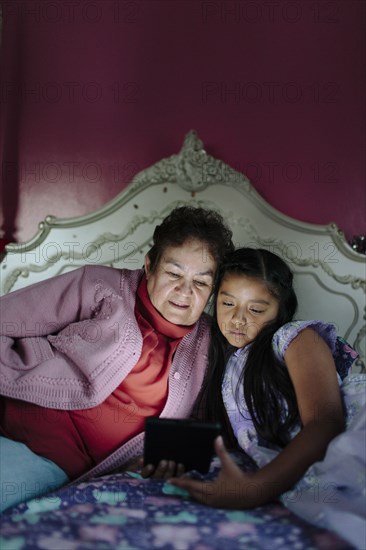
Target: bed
{"x": 122, "y": 510}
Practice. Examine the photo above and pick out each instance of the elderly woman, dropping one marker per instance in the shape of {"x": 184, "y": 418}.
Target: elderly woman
{"x": 86, "y": 356}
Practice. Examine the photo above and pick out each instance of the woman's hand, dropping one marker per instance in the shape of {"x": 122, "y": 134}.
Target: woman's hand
{"x": 233, "y": 488}
{"x": 164, "y": 470}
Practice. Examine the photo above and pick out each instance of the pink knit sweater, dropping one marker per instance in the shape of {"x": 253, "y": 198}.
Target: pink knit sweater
{"x": 69, "y": 341}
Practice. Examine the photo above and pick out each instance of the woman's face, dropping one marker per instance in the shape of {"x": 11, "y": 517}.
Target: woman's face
{"x": 181, "y": 284}
{"x": 244, "y": 307}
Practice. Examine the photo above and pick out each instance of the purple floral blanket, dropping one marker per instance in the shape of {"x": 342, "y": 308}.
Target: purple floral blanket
{"x": 125, "y": 512}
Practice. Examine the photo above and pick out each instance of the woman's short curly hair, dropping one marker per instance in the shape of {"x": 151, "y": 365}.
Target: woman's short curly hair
{"x": 187, "y": 223}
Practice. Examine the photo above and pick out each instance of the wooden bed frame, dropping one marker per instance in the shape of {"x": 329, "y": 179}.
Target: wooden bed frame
{"x": 329, "y": 274}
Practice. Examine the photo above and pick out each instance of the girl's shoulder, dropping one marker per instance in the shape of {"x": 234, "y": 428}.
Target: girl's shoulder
{"x": 283, "y": 337}
{"x": 343, "y": 354}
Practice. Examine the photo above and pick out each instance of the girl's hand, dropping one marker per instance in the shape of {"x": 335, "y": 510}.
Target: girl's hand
{"x": 233, "y": 488}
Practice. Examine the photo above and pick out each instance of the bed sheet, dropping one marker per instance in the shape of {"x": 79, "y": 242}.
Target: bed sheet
{"x": 126, "y": 512}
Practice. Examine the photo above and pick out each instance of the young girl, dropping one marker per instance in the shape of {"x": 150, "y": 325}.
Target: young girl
{"x": 276, "y": 386}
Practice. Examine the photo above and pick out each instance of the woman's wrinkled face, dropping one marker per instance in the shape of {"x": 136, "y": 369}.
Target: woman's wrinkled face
{"x": 181, "y": 283}
{"x": 244, "y": 307}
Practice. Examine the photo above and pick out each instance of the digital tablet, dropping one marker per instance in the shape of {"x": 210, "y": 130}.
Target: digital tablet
{"x": 185, "y": 441}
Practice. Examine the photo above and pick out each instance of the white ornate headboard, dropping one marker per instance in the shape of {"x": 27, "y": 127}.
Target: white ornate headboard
{"x": 329, "y": 274}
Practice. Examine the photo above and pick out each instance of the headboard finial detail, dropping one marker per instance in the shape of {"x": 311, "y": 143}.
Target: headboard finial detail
{"x": 192, "y": 142}
{"x": 196, "y": 170}
{"x": 190, "y": 163}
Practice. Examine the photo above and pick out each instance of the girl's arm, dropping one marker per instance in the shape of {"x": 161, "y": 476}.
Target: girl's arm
{"x": 313, "y": 373}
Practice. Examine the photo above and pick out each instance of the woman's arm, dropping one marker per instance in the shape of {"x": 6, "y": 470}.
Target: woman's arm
{"x": 44, "y": 307}
{"x": 313, "y": 373}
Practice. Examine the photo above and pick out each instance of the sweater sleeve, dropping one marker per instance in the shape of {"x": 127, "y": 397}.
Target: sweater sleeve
{"x": 45, "y": 307}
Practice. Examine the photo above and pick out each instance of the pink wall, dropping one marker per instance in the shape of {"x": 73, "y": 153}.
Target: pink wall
{"x": 94, "y": 91}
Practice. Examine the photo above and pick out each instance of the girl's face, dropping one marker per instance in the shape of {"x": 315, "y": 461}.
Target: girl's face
{"x": 244, "y": 307}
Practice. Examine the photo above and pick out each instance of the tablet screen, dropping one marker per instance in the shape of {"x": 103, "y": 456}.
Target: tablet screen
{"x": 188, "y": 442}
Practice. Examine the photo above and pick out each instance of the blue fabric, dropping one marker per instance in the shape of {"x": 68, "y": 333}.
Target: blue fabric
{"x": 25, "y": 475}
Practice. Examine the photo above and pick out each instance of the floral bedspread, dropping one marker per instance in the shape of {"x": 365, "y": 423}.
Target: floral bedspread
{"x": 125, "y": 512}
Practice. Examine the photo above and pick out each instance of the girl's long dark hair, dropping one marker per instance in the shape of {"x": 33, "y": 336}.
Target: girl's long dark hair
{"x": 268, "y": 391}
